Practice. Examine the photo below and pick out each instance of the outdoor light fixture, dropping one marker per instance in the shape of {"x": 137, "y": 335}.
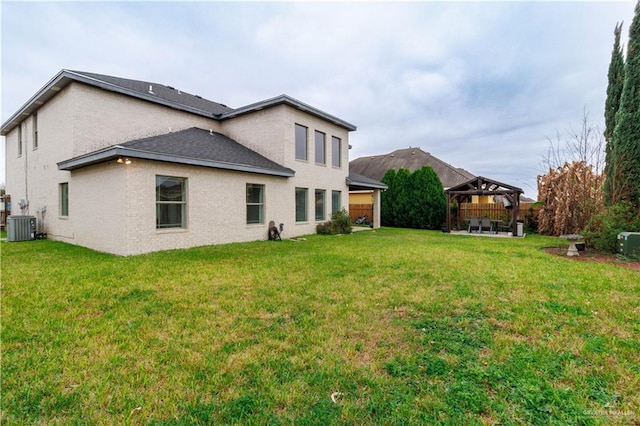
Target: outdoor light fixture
{"x": 121, "y": 160}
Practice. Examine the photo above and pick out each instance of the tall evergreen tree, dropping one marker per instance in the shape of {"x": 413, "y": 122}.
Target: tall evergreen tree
{"x": 428, "y": 200}
{"x": 388, "y": 199}
{"x": 626, "y": 136}
{"x": 612, "y": 104}
{"x": 413, "y": 200}
{"x": 403, "y": 198}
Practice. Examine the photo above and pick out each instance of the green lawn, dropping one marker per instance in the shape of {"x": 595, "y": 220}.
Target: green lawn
{"x": 387, "y": 327}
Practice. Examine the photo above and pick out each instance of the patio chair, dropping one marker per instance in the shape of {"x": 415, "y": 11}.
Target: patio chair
{"x": 274, "y": 232}
{"x": 474, "y": 223}
{"x": 506, "y": 228}
{"x": 485, "y": 223}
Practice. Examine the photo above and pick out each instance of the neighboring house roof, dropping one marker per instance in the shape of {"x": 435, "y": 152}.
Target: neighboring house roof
{"x": 357, "y": 182}
{"x": 192, "y": 146}
{"x": 159, "y": 94}
{"x": 376, "y": 166}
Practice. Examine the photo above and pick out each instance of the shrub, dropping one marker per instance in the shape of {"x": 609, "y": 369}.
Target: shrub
{"x": 602, "y": 230}
{"x": 340, "y": 223}
{"x": 413, "y": 200}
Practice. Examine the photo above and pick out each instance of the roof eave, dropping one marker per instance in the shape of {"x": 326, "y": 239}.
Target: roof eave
{"x": 292, "y": 102}
{"x": 48, "y": 91}
{"x": 354, "y": 184}
{"x": 120, "y": 151}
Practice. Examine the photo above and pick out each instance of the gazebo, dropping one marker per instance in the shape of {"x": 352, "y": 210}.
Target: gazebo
{"x": 484, "y": 186}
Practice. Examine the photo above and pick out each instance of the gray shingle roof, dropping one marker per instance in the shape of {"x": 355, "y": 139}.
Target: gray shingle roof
{"x": 159, "y": 94}
{"x": 358, "y": 182}
{"x": 191, "y": 146}
{"x": 161, "y": 91}
{"x": 376, "y": 166}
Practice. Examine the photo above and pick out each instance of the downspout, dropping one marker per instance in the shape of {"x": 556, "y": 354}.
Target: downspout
{"x": 23, "y": 128}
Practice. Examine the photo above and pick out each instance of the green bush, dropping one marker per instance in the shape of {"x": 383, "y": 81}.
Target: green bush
{"x": 340, "y": 223}
{"x": 530, "y": 219}
{"x": 603, "y": 229}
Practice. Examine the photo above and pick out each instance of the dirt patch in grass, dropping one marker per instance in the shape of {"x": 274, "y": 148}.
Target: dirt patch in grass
{"x": 592, "y": 255}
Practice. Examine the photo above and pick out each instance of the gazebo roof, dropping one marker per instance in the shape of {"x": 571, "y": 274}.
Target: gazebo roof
{"x": 483, "y": 186}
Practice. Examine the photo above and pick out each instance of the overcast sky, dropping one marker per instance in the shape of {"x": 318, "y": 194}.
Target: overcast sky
{"x": 479, "y": 85}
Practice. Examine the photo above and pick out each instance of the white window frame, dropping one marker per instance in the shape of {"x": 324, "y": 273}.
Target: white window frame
{"x": 182, "y": 203}
{"x": 20, "y": 140}
{"x": 35, "y": 130}
{"x": 336, "y": 207}
{"x": 336, "y": 160}
{"x": 299, "y": 143}
{"x": 320, "y": 204}
{"x": 63, "y": 199}
{"x": 253, "y": 203}
{"x": 303, "y": 205}
{"x": 320, "y": 147}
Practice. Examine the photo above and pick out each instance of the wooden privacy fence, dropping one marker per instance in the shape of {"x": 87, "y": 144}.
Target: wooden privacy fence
{"x": 357, "y": 210}
{"x": 496, "y": 211}
{"x": 5, "y": 210}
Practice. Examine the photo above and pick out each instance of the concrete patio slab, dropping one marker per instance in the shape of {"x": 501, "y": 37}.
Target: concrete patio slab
{"x": 485, "y": 234}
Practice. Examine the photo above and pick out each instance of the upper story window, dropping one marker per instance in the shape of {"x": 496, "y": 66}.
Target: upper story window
{"x": 255, "y": 203}
{"x": 302, "y": 145}
{"x": 336, "y": 152}
{"x": 35, "y": 130}
{"x": 171, "y": 202}
{"x": 20, "y": 140}
{"x": 321, "y": 148}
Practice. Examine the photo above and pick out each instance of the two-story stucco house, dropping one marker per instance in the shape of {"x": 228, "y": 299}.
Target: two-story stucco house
{"x": 128, "y": 167}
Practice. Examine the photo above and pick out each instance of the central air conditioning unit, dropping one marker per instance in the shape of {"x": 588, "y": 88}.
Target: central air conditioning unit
{"x": 629, "y": 244}
{"x": 21, "y": 228}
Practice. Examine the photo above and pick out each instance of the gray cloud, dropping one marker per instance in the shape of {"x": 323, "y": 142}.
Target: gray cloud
{"x": 480, "y": 85}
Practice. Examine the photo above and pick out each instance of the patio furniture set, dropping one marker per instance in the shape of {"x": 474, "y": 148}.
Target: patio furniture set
{"x": 482, "y": 224}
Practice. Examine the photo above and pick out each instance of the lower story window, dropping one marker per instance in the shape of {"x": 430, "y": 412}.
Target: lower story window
{"x": 320, "y": 204}
{"x": 171, "y": 202}
{"x": 336, "y": 197}
{"x": 301, "y": 204}
{"x": 64, "y": 199}
{"x": 255, "y": 203}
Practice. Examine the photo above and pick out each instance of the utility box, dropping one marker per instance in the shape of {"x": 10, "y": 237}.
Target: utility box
{"x": 629, "y": 244}
{"x": 21, "y": 228}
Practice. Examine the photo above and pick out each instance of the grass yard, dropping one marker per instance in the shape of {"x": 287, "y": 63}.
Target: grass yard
{"x": 381, "y": 327}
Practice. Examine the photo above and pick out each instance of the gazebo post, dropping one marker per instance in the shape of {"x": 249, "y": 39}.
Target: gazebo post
{"x": 448, "y": 211}
{"x": 516, "y": 213}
